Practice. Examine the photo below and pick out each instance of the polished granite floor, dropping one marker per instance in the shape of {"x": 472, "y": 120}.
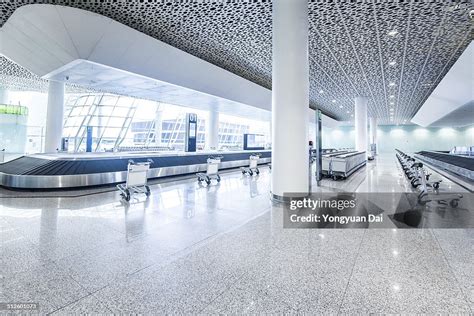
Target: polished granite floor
{"x": 222, "y": 250}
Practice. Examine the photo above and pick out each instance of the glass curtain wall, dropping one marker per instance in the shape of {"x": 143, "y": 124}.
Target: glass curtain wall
{"x": 119, "y": 123}
{"x": 107, "y": 117}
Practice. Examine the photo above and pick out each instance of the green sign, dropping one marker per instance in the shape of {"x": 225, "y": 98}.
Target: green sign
{"x": 13, "y": 109}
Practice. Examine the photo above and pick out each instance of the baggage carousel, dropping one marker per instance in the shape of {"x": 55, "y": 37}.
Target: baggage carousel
{"x": 459, "y": 165}
{"x": 61, "y": 171}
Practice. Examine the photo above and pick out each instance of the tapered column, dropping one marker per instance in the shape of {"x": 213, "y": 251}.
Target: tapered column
{"x": 290, "y": 98}
{"x": 54, "y": 117}
{"x": 361, "y": 123}
{"x": 373, "y": 132}
{"x": 212, "y": 142}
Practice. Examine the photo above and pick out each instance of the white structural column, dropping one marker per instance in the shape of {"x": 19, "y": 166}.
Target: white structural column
{"x": 158, "y": 125}
{"x": 270, "y": 131}
{"x": 4, "y": 97}
{"x": 290, "y": 98}
{"x": 361, "y": 123}
{"x": 373, "y": 132}
{"x": 212, "y": 130}
{"x": 54, "y": 117}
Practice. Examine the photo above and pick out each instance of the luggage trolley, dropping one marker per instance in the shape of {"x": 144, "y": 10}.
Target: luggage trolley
{"x": 137, "y": 176}
{"x": 253, "y": 165}
{"x": 212, "y": 171}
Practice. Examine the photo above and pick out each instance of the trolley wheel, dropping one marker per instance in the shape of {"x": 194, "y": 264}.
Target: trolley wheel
{"x": 436, "y": 185}
{"x": 208, "y": 180}
{"x": 334, "y": 177}
{"x": 454, "y": 203}
{"x": 243, "y": 172}
{"x": 148, "y": 191}
{"x": 250, "y": 172}
{"x": 257, "y": 171}
{"x": 127, "y": 195}
{"x": 218, "y": 178}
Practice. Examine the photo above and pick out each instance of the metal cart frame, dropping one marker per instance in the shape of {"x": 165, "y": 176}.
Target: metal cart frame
{"x": 212, "y": 170}
{"x": 137, "y": 178}
{"x": 442, "y": 198}
{"x": 253, "y": 165}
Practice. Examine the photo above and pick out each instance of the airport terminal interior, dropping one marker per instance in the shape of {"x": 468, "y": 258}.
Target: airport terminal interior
{"x": 236, "y": 157}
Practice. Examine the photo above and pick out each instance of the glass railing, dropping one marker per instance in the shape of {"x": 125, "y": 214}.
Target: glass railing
{"x": 13, "y": 109}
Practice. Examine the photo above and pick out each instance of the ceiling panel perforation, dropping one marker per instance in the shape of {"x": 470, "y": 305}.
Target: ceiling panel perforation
{"x": 350, "y": 49}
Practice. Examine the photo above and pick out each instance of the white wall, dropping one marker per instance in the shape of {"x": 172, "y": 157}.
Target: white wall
{"x": 35, "y": 101}
{"x": 13, "y": 133}
{"x": 37, "y": 104}
{"x": 408, "y": 138}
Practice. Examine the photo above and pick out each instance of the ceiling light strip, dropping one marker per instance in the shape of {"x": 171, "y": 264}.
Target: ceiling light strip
{"x": 336, "y": 61}
{"x": 355, "y": 52}
{"x": 405, "y": 46}
{"x": 380, "y": 58}
{"x": 327, "y": 75}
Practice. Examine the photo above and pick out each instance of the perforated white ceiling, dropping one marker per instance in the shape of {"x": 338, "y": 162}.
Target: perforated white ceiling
{"x": 393, "y": 51}
{"x": 15, "y": 77}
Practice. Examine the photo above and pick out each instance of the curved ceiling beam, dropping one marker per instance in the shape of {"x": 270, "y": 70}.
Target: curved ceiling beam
{"x": 50, "y": 40}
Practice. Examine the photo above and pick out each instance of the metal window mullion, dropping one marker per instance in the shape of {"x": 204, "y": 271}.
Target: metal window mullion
{"x": 129, "y": 118}
{"x": 107, "y": 124}
{"x": 88, "y": 117}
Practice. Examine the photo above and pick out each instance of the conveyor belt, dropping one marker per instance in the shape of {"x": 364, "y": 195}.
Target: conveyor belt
{"x": 458, "y": 161}
{"x": 66, "y": 171}
{"x": 42, "y": 167}
{"x": 22, "y": 165}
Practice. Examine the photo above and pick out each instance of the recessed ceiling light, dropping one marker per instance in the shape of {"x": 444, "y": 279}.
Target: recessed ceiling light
{"x": 352, "y": 115}
{"x": 391, "y": 109}
{"x": 333, "y": 101}
{"x": 391, "y": 96}
{"x": 392, "y": 33}
{"x": 391, "y": 84}
{"x": 321, "y": 91}
{"x": 392, "y": 103}
{"x": 340, "y": 106}
{"x": 392, "y": 63}
{"x": 348, "y": 112}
